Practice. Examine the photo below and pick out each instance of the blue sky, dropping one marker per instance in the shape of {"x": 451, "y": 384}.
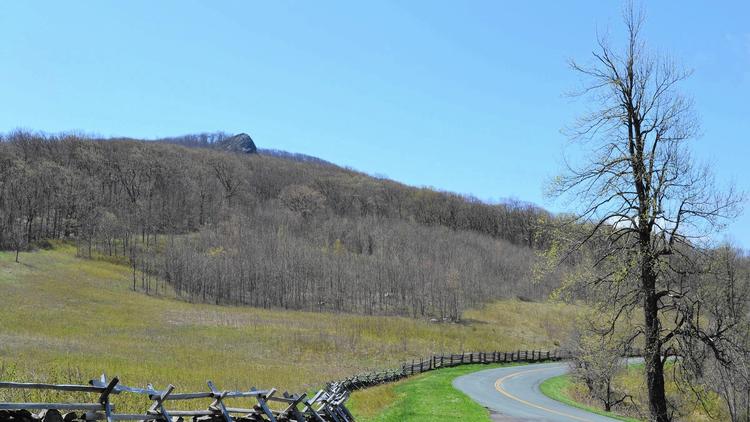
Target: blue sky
{"x": 462, "y": 96}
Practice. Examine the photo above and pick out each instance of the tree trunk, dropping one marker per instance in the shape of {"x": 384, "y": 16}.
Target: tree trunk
{"x": 652, "y": 353}
{"x": 608, "y": 402}
{"x": 134, "y": 263}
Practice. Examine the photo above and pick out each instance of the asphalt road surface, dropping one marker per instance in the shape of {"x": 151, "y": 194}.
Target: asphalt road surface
{"x": 512, "y": 394}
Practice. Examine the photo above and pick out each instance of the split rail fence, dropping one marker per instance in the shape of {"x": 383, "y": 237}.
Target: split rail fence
{"x": 430, "y": 363}
{"x": 327, "y": 405}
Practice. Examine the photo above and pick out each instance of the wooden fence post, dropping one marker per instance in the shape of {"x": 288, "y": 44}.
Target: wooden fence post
{"x": 104, "y": 397}
{"x": 218, "y": 396}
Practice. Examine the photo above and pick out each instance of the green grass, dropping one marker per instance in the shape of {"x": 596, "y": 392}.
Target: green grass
{"x": 631, "y": 381}
{"x": 66, "y": 319}
{"x": 557, "y": 388}
{"x": 426, "y": 397}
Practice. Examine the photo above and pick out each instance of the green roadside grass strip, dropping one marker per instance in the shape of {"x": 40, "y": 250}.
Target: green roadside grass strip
{"x": 425, "y": 397}
{"x": 556, "y": 387}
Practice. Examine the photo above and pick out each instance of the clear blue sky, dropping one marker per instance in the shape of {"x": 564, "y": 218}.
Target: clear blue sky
{"x": 462, "y": 96}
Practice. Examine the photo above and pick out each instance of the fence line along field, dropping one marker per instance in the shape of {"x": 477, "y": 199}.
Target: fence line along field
{"x": 328, "y": 404}
{"x": 73, "y": 317}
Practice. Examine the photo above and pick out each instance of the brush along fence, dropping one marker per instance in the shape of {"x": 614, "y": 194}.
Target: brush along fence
{"x": 327, "y": 405}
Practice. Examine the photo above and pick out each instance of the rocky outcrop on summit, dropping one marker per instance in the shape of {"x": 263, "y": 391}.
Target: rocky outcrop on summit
{"x": 238, "y": 143}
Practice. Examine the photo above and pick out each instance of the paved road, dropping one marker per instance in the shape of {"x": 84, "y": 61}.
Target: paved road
{"x": 512, "y": 394}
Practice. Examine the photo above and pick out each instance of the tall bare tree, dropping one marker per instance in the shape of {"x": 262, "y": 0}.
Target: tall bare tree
{"x": 647, "y": 206}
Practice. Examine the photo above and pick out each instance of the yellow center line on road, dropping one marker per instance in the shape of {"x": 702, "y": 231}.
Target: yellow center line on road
{"x": 501, "y": 390}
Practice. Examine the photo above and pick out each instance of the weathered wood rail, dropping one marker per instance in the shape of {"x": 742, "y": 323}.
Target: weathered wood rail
{"x": 327, "y": 405}
{"x": 433, "y": 362}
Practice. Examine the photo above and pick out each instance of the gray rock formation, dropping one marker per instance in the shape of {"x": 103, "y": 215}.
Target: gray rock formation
{"x": 238, "y": 143}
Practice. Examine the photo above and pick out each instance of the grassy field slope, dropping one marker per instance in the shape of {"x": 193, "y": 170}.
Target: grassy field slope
{"x": 426, "y": 397}
{"x": 68, "y": 319}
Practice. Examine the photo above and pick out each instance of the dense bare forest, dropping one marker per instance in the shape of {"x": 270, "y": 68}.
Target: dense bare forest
{"x": 271, "y": 229}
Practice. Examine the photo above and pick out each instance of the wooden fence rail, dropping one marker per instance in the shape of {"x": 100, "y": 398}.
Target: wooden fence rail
{"x": 327, "y": 405}
{"x": 433, "y": 362}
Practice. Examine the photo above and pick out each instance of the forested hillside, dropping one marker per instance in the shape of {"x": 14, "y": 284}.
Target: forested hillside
{"x": 269, "y": 230}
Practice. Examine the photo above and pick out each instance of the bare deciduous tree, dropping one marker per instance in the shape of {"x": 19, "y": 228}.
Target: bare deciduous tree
{"x": 647, "y": 205}
{"x": 302, "y": 199}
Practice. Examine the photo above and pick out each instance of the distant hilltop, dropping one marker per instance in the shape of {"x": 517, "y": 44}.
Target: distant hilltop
{"x": 238, "y": 143}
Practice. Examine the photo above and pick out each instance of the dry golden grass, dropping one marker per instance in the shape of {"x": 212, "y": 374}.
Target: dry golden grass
{"x": 70, "y": 319}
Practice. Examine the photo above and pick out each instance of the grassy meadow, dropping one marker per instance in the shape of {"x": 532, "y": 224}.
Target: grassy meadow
{"x": 69, "y": 319}
{"x": 632, "y": 381}
{"x": 561, "y": 388}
